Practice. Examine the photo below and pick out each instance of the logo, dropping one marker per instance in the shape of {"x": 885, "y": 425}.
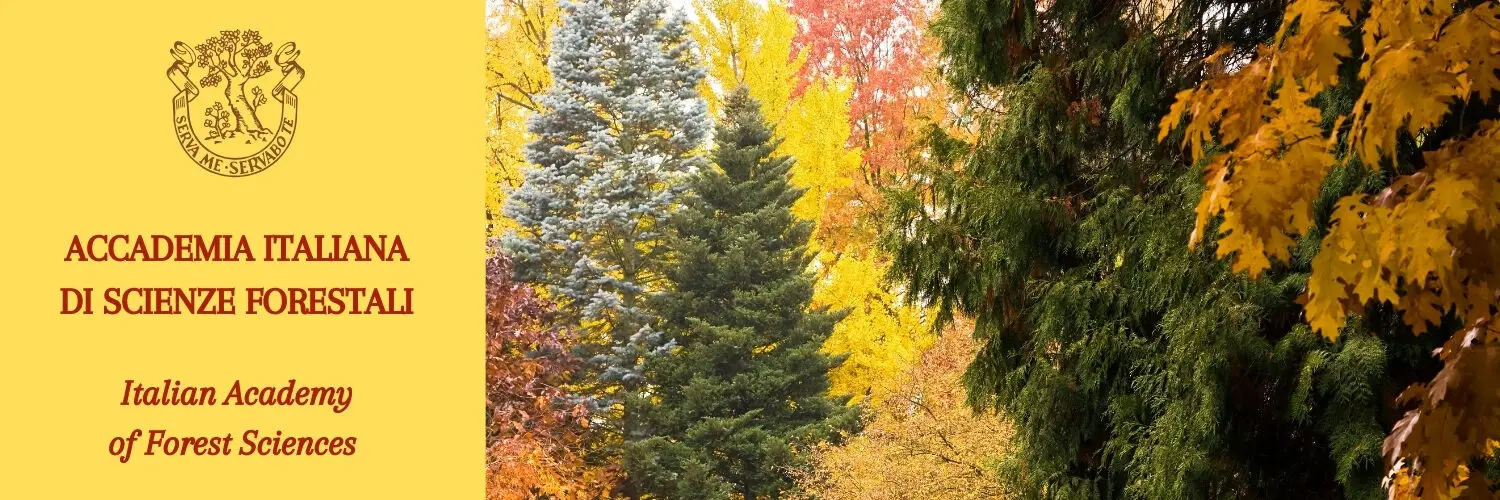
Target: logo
{"x": 235, "y": 112}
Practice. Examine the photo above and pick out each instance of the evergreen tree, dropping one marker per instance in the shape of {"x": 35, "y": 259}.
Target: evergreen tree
{"x": 746, "y": 384}
{"x": 621, "y": 132}
{"x": 1131, "y": 366}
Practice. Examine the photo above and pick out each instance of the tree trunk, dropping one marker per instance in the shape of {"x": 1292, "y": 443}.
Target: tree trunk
{"x": 244, "y": 114}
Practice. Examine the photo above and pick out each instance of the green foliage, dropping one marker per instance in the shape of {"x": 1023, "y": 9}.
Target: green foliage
{"x": 1132, "y": 367}
{"x": 744, "y": 386}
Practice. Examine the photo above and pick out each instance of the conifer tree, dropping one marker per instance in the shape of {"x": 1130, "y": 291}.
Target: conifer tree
{"x": 1132, "y": 367}
{"x": 622, "y": 130}
{"x": 746, "y": 385}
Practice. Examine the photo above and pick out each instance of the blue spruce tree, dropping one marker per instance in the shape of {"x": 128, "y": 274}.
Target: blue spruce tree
{"x": 622, "y": 131}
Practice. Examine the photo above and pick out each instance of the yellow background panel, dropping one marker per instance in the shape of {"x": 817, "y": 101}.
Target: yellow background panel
{"x": 389, "y": 142}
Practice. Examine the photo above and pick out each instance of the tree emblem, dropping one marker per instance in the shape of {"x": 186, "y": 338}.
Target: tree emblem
{"x": 237, "y": 82}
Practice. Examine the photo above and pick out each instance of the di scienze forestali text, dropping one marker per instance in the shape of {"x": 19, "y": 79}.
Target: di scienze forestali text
{"x": 236, "y": 248}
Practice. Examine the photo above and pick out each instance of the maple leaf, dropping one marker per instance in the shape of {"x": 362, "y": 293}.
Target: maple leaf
{"x": 1471, "y": 45}
{"x": 1400, "y": 90}
{"x": 1175, "y": 114}
{"x": 1314, "y": 53}
{"x": 1339, "y": 262}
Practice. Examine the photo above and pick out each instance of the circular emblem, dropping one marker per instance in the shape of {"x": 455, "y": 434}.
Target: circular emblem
{"x": 235, "y": 111}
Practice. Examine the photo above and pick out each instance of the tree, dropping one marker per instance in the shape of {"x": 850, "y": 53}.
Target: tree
{"x": 876, "y": 52}
{"x": 1426, "y": 246}
{"x": 620, "y": 131}
{"x": 880, "y": 338}
{"x": 516, "y": 76}
{"x": 923, "y": 441}
{"x": 1129, "y": 367}
{"x": 535, "y": 438}
{"x": 234, "y": 58}
{"x": 749, "y": 44}
{"x": 877, "y": 44}
{"x": 745, "y": 387}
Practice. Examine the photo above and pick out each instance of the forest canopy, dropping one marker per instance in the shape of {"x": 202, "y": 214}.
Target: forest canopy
{"x": 1030, "y": 249}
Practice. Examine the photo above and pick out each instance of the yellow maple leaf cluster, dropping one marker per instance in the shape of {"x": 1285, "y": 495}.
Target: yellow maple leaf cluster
{"x": 1265, "y": 182}
{"x": 1431, "y": 233}
{"x": 1419, "y": 245}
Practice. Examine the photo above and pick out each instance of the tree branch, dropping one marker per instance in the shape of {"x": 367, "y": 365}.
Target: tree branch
{"x": 229, "y": 45}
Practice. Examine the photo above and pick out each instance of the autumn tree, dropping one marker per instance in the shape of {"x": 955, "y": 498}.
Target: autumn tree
{"x": 1411, "y": 87}
{"x": 536, "y": 433}
{"x": 233, "y": 59}
{"x": 875, "y": 51}
{"x": 924, "y": 441}
{"x": 1129, "y": 366}
{"x": 881, "y": 335}
{"x": 748, "y": 44}
{"x": 745, "y": 388}
{"x": 520, "y": 38}
{"x": 877, "y": 45}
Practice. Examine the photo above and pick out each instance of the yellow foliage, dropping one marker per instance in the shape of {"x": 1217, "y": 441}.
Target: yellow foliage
{"x": 1418, "y": 62}
{"x": 1264, "y": 185}
{"x": 535, "y": 472}
{"x": 816, "y": 130}
{"x": 923, "y": 441}
{"x": 881, "y": 338}
{"x": 1404, "y": 91}
{"x": 515, "y": 75}
{"x": 747, "y": 43}
{"x": 1438, "y": 242}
